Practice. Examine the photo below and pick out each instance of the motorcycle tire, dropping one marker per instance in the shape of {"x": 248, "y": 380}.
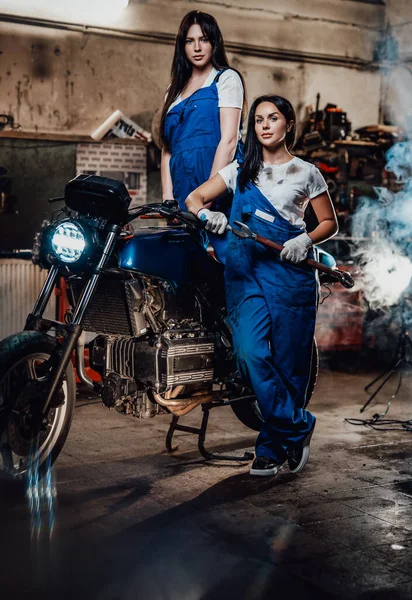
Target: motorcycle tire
{"x": 248, "y": 411}
{"x": 24, "y": 353}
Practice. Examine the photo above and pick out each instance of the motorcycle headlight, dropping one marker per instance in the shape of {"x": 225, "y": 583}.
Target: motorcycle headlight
{"x": 68, "y": 242}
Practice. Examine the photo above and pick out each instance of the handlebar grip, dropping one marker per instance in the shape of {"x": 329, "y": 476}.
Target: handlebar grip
{"x": 171, "y": 204}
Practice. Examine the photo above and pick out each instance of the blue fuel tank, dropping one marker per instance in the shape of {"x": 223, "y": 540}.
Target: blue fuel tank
{"x": 169, "y": 254}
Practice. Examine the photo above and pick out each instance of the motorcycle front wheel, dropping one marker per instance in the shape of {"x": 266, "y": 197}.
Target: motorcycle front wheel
{"x": 23, "y": 366}
{"x": 248, "y": 411}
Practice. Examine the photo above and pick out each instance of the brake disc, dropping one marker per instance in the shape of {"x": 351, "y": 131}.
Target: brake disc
{"x": 23, "y": 429}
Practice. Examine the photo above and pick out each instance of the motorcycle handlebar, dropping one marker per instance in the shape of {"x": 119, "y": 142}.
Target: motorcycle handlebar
{"x": 168, "y": 211}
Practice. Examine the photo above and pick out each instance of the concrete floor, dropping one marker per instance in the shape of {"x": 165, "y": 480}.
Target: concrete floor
{"x": 132, "y": 522}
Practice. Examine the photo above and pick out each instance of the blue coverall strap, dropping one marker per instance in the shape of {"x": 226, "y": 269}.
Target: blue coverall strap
{"x": 216, "y": 79}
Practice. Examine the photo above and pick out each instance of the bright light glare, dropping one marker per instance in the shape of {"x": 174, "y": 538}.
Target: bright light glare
{"x": 90, "y": 10}
{"x": 98, "y": 5}
{"x": 71, "y": 243}
{"x": 398, "y": 274}
{"x": 395, "y": 275}
{"x": 385, "y": 275}
{"x": 85, "y": 4}
{"x": 68, "y": 242}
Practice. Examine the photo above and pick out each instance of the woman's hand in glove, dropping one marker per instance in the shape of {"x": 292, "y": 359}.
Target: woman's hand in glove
{"x": 216, "y": 222}
{"x": 296, "y": 249}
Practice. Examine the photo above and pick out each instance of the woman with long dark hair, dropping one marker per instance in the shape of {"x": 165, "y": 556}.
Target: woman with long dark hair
{"x": 201, "y": 118}
{"x": 272, "y": 299}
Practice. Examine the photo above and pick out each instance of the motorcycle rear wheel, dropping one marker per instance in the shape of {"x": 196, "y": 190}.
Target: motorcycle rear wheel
{"x": 248, "y": 411}
{"x": 21, "y": 448}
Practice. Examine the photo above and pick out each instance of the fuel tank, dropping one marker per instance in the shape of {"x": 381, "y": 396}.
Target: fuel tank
{"x": 169, "y": 254}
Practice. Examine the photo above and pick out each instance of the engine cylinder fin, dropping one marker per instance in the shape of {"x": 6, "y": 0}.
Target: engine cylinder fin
{"x": 189, "y": 349}
{"x": 187, "y": 377}
{"x": 120, "y": 356}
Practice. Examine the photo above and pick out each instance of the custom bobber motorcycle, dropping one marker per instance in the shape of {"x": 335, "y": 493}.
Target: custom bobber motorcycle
{"x": 155, "y": 302}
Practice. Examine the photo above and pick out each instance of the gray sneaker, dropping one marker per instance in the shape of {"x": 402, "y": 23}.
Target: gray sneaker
{"x": 264, "y": 466}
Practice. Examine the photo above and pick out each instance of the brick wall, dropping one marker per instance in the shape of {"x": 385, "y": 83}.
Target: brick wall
{"x": 124, "y": 162}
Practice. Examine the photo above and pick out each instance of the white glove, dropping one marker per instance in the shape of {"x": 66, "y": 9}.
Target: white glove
{"x": 216, "y": 222}
{"x": 296, "y": 249}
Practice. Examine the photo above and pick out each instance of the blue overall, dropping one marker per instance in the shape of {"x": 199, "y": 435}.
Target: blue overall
{"x": 272, "y": 310}
{"x": 192, "y": 130}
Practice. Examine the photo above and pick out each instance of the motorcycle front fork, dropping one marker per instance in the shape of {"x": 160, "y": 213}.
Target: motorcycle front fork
{"x": 71, "y": 331}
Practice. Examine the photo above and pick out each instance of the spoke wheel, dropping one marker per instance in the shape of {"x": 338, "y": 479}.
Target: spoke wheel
{"x": 23, "y": 441}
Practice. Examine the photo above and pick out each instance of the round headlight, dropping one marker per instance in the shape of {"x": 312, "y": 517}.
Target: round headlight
{"x": 68, "y": 242}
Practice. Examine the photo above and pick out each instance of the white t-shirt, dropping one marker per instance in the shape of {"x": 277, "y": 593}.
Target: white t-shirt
{"x": 229, "y": 89}
{"x": 289, "y": 187}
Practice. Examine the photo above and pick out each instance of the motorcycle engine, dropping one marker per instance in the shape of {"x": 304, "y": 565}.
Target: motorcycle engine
{"x": 175, "y": 357}
{"x": 183, "y": 357}
{"x": 175, "y": 350}
{"x": 122, "y": 394}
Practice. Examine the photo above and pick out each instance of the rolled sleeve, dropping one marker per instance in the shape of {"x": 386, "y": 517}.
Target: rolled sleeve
{"x": 230, "y": 90}
{"x": 229, "y": 175}
{"x": 316, "y": 184}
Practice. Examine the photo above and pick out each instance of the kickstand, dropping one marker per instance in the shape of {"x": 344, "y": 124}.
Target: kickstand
{"x": 201, "y": 433}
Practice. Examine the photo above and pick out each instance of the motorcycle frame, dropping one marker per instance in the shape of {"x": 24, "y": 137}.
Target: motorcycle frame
{"x": 72, "y": 331}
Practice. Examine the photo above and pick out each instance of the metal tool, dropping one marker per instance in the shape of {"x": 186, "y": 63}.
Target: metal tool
{"x": 243, "y": 231}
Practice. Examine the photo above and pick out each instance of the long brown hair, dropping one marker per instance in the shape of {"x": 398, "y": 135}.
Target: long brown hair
{"x": 181, "y": 70}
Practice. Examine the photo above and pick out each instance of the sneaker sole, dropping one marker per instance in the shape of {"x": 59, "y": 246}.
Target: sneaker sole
{"x": 265, "y": 472}
{"x": 305, "y": 453}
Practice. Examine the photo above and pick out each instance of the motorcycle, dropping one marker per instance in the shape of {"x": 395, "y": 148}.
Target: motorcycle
{"x": 155, "y": 303}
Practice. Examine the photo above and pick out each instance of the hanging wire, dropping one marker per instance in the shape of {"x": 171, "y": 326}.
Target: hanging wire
{"x": 326, "y": 297}
{"x": 382, "y": 424}
{"x": 377, "y": 423}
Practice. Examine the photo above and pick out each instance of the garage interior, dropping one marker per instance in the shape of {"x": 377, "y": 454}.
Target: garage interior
{"x": 125, "y": 518}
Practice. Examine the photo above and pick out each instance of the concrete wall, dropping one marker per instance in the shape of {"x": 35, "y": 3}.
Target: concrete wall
{"x": 55, "y": 81}
{"x": 397, "y": 73}
{"x": 399, "y": 17}
{"x": 69, "y": 80}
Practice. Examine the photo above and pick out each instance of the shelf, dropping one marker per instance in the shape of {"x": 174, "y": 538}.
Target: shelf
{"x": 64, "y": 137}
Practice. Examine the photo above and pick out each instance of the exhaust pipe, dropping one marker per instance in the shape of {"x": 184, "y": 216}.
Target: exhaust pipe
{"x": 182, "y": 406}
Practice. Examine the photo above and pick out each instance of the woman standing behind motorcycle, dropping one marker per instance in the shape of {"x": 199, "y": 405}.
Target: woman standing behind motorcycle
{"x": 272, "y": 300}
{"x": 200, "y": 123}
